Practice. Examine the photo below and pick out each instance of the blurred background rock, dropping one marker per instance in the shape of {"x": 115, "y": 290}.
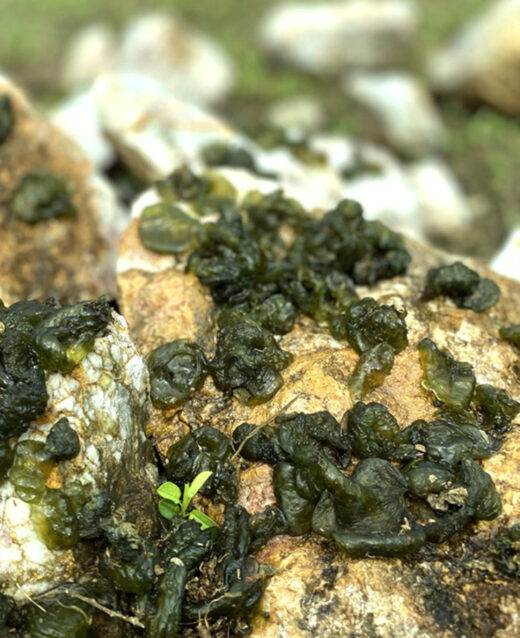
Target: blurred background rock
{"x": 434, "y": 82}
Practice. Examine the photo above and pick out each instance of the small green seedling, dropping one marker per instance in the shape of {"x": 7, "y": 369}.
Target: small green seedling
{"x": 171, "y": 504}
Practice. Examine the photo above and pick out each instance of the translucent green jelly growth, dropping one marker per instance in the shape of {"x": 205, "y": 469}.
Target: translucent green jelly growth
{"x": 248, "y": 362}
{"x": 452, "y": 382}
{"x": 511, "y": 334}
{"x": 370, "y": 371}
{"x": 30, "y": 470}
{"x": 496, "y": 407}
{"x": 23, "y": 395}
{"x": 165, "y": 228}
{"x": 129, "y": 559}
{"x": 366, "y": 324}
{"x": 177, "y": 369}
{"x": 41, "y": 196}
{"x": 463, "y": 285}
{"x": 55, "y": 520}
{"x": 204, "y": 450}
{"x": 6, "y": 117}
{"x": 66, "y": 337}
{"x": 62, "y": 441}
{"x": 221, "y": 154}
{"x": 61, "y": 616}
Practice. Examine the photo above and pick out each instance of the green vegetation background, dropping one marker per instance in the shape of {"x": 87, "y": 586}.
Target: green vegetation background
{"x": 484, "y": 145}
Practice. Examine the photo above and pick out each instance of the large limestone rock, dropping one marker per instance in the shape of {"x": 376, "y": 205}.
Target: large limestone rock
{"x": 328, "y": 37}
{"x": 444, "y": 591}
{"x": 507, "y": 259}
{"x": 483, "y": 60}
{"x": 105, "y": 399}
{"x": 67, "y": 258}
{"x": 91, "y": 51}
{"x": 403, "y": 107}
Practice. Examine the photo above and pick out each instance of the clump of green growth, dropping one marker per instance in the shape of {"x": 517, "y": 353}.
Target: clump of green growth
{"x": 511, "y": 334}
{"x": 177, "y": 369}
{"x": 41, "y": 196}
{"x": 37, "y": 337}
{"x": 171, "y": 503}
{"x": 62, "y": 441}
{"x": 222, "y": 154}
{"x": 248, "y": 362}
{"x": 505, "y": 551}
{"x": 165, "y": 228}
{"x": 30, "y": 469}
{"x": 452, "y": 382}
{"x": 295, "y": 141}
{"x": 66, "y": 337}
{"x": 61, "y": 615}
{"x": 377, "y": 332}
{"x": 496, "y": 408}
{"x": 204, "y": 450}
{"x": 55, "y": 520}
{"x": 463, "y": 285}
{"x": 6, "y": 117}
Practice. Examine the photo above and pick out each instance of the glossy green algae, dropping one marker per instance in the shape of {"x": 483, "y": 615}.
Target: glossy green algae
{"x": 177, "y": 369}
{"x": 511, "y": 334}
{"x": 6, "y": 117}
{"x": 165, "y": 228}
{"x": 463, "y": 285}
{"x": 61, "y": 615}
{"x": 41, "y": 196}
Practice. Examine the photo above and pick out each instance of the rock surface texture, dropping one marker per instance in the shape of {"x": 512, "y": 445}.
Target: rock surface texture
{"x": 447, "y": 590}
{"x": 57, "y": 252}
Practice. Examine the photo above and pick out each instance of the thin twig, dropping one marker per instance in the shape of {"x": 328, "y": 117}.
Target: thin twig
{"x": 30, "y": 599}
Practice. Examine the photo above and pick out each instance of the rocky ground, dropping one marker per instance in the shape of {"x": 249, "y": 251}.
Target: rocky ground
{"x": 128, "y": 188}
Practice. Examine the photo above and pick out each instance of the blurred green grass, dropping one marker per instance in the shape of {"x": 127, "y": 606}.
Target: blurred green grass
{"x": 484, "y": 144}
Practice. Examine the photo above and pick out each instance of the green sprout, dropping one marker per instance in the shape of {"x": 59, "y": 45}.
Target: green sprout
{"x": 171, "y": 504}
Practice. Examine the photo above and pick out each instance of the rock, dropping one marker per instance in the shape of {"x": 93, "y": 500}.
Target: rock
{"x": 77, "y": 118}
{"x": 316, "y": 589}
{"x": 301, "y": 112}
{"x": 64, "y": 257}
{"x": 90, "y": 53}
{"x": 507, "y": 259}
{"x": 106, "y": 403}
{"x": 408, "y": 118}
{"x": 329, "y": 37}
{"x": 483, "y": 59}
{"x": 444, "y": 208}
{"x": 164, "y": 47}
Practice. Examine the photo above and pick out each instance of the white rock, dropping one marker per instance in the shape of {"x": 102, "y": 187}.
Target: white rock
{"x": 407, "y": 114}
{"x": 164, "y": 47}
{"x": 444, "y": 207}
{"x": 152, "y": 130}
{"x": 77, "y": 117}
{"x": 105, "y": 399}
{"x": 483, "y": 60}
{"x": 91, "y": 52}
{"x": 301, "y": 112}
{"x": 329, "y": 37}
{"x": 507, "y": 260}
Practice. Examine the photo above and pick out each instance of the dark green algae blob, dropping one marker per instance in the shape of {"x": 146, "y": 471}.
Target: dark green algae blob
{"x": 465, "y": 286}
{"x": 41, "y": 196}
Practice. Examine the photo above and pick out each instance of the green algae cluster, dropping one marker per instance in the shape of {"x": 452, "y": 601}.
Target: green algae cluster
{"x": 41, "y": 196}
{"x": 265, "y": 262}
{"x": 465, "y": 286}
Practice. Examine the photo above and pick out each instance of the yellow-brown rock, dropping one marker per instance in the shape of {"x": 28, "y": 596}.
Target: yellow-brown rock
{"x": 65, "y": 258}
{"x": 450, "y": 590}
